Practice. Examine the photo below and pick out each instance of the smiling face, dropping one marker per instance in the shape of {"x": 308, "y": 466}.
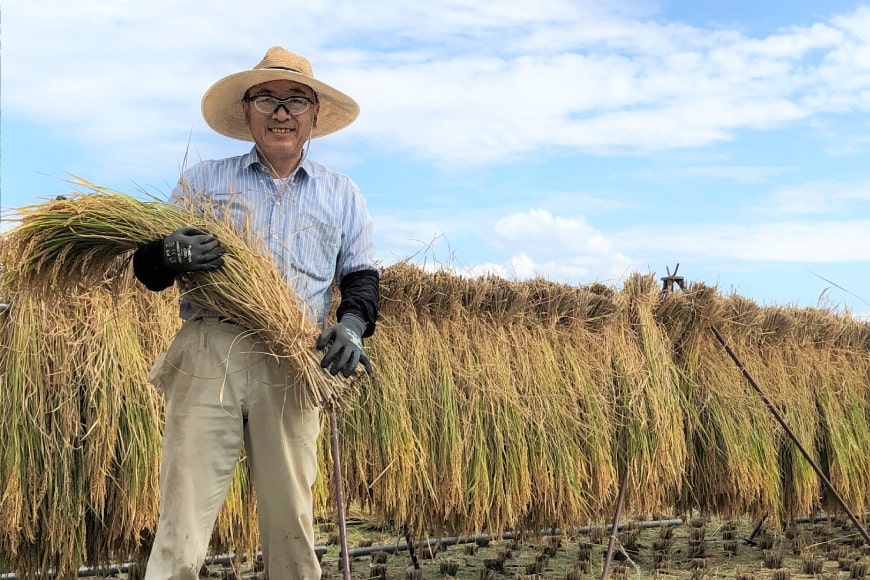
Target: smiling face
{"x": 279, "y": 135}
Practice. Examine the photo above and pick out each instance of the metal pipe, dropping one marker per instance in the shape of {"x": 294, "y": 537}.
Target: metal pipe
{"x": 224, "y": 559}
{"x": 792, "y": 436}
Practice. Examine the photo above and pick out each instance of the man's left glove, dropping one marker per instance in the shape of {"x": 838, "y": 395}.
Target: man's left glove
{"x": 345, "y": 346}
{"x": 192, "y": 250}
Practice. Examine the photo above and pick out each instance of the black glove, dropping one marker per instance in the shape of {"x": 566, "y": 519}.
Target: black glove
{"x": 345, "y": 346}
{"x": 192, "y": 250}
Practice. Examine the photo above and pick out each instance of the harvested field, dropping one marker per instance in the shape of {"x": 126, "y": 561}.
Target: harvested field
{"x": 696, "y": 548}
{"x": 495, "y": 405}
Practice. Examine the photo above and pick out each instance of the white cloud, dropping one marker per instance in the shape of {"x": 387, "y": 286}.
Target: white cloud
{"x": 737, "y": 173}
{"x": 523, "y": 266}
{"x": 795, "y": 241}
{"x": 818, "y": 198}
{"x": 486, "y": 268}
{"x": 567, "y": 248}
{"x": 558, "y": 248}
{"x": 568, "y": 269}
{"x": 530, "y": 243}
{"x": 540, "y": 231}
{"x": 483, "y": 83}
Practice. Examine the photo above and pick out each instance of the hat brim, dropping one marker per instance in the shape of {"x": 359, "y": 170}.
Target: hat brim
{"x": 222, "y": 105}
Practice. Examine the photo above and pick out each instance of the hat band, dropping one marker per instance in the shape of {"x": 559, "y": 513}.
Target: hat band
{"x": 286, "y": 68}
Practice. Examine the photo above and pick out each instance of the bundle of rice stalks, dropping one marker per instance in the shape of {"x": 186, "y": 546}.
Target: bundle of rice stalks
{"x": 650, "y": 438}
{"x": 489, "y": 410}
{"x": 79, "y": 445}
{"x": 385, "y": 467}
{"x": 72, "y": 243}
{"x": 839, "y": 376}
{"x": 733, "y": 467}
{"x": 567, "y": 424}
{"x": 496, "y": 404}
{"x": 787, "y": 378}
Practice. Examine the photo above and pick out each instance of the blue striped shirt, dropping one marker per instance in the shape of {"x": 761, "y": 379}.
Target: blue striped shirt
{"x": 315, "y": 223}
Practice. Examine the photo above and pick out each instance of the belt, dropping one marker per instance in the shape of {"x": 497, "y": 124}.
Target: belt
{"x": 210, "y": 314}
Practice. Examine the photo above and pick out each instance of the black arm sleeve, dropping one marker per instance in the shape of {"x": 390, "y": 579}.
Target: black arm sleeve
{"x": 149, "y": 268}
{"x": 361, "y": 295}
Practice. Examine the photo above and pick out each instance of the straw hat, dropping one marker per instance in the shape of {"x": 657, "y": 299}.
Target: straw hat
{"x": 222, "y": 103}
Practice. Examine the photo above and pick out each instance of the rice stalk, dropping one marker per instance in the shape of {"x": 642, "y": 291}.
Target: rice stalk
{"x": 73, "y": 243}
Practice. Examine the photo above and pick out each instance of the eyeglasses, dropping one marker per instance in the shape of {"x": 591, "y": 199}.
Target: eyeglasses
{"x": 269, "y": 105}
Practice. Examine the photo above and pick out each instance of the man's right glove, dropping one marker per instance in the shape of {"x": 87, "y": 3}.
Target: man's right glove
{"x": 190, "y": 249}
{"x": 344, "y": 346}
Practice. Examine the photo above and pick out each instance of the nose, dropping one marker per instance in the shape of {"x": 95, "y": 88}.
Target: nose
{"x": 282, "y": 112}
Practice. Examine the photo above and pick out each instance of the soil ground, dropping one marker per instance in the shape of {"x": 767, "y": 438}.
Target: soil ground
{"x": 697, "y": 549}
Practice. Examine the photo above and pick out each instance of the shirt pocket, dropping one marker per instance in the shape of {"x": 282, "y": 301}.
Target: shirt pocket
{"x": 315, "y": 246}
{"x": 230, "y": 205}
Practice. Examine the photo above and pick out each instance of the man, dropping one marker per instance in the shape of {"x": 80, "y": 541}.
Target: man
{"x": 221, "y": 389}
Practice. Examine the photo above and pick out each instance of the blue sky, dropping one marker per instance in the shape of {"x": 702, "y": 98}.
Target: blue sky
{"x": 578, "y": 140}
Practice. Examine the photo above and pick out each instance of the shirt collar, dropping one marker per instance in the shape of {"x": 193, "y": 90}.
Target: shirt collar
{"x": 308, "y": 167}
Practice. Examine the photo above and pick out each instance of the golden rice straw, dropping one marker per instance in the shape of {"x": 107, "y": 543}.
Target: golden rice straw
{"x": 784, "y": 367}
{"x": 74, "y": 242}
{"x": 651, "y": 442}
{"x": 495, "y": 406}
{"x": 749, "y": 439}
{"x": 588, "y": 381}
{"x": 80, "y": 447}
{"x": 236, "y": 529}
{"x": 379, "y": 441}
{"x": 732, "y": 467}
{"x": 558, "y": 487}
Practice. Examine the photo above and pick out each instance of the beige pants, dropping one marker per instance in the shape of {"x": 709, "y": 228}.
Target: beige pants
{"x": 222, "y": 391}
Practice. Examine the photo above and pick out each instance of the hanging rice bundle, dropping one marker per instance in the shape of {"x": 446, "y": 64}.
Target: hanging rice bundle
{"x": 562, "y": 375}
{"x": 382, "y": 456}
{"x": 787, "y": 376}
{"x": 475, "y": 420}
{"x": 560, "y": 482}
{"x": 737, "y": 440}
{"x": 840, "y": 384}
{"x": 80, "y": 443}
{"x": 236, "y": 529}
{"x": 72, "y": 243}
{"x": 731, "y": 465}
{"x": 650, "y": 434}
{"x": 80, "y": 440}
